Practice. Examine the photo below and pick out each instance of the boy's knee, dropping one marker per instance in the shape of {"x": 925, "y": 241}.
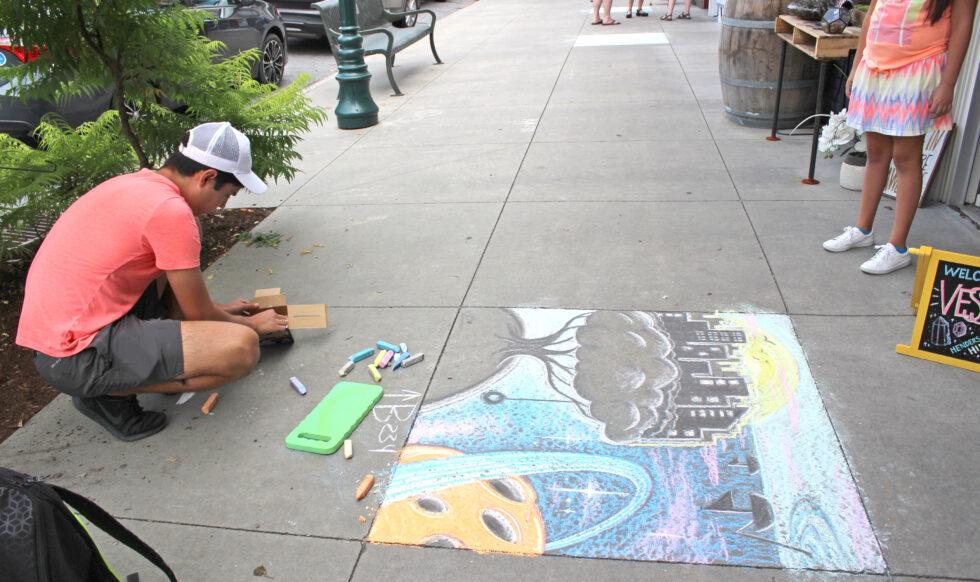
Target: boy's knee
{"x": 244, "y": 351}
{"x": 249, "y": 345}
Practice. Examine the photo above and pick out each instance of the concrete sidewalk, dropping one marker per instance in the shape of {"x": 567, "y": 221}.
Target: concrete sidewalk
{"x": 553, "y": 217}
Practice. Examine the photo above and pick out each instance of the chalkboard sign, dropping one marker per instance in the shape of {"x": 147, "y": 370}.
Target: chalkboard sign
{"x": 947, "y": 302}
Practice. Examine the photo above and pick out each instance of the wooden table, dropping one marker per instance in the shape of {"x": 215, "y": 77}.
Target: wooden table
{"x": 809, "y": 37}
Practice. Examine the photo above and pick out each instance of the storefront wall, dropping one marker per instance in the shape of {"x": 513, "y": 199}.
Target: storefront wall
{"x": 958, "y": 176}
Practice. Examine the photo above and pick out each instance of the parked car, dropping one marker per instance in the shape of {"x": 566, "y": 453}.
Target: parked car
{"x": 239, "y": 24}
{"x": 19, "y": 117}
{"x": 303, "y": 20}
{"x": 248, "y": 24}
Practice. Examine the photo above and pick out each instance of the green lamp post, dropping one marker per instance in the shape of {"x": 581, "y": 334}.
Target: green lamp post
{"x": 355, "y": 107}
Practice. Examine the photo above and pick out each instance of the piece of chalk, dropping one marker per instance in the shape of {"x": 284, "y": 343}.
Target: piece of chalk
{"x": 209, "y": 405}
{"x": 412, "y": 360}
{"x": 348, "y": 449}
{"x": 374, "y": 372}
{"x": 386, "y": 346}
{"x": 401, "y": 358}
{"x": 361, "y": 355}
{"x": 381, "y": 356}
{"x": 298, "y": 385}
{"x": 404, "y": 347}
{"x": 366, "y": 484}
{"x": 387, "y": 359}
{"x": 347, "y": 368}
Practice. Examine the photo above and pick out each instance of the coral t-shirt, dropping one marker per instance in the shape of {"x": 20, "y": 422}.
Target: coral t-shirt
{"x": 100, "y": 256}
{"x": 900, "y": 34}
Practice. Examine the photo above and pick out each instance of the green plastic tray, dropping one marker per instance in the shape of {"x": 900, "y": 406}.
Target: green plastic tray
{"x": 338, "y": 414}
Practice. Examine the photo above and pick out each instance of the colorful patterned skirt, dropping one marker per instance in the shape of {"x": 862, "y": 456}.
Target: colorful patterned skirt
{"x": 896, "y": 102}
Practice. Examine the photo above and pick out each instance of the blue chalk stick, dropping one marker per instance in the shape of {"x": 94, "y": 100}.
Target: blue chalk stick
{"x": 362, "y": 354}
{"x": 386, "y": 346}
{"x": 401, "y": 358}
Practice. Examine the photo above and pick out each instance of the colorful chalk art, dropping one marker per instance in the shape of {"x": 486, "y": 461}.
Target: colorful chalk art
{"x": 673, "y": 437}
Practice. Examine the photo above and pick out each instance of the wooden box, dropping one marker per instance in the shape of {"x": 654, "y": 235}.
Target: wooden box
{"x": 807, "y": 36}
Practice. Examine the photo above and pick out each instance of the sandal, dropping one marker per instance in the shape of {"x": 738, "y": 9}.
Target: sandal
{"x": 684, "y": 16}
{"x": 597, "y": 22}
{"x": 610, "y": 23}
{"x": 629, "y": 15}
{"x": 642, "y": 13}
{"x": 667, "y": 17}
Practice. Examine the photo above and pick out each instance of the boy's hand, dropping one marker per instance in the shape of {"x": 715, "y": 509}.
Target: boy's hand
{"x": 268, "y": 321}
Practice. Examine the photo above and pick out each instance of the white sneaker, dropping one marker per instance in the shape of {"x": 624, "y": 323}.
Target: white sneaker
{"x": 886, "y": 260}
{"x": 851, "y": 238}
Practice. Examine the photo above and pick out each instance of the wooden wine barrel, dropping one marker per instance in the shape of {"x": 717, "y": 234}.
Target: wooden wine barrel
{"x": 748, "y": 63}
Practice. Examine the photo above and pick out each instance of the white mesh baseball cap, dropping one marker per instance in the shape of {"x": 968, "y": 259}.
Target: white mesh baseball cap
{"x": 222, "y": 147}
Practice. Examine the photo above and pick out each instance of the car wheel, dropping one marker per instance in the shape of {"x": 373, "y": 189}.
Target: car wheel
{"x": 272, "y": 61}
{"x": 408, "y": 21}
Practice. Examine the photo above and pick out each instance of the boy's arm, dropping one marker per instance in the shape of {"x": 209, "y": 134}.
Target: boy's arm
{"x": 196, "y": 304}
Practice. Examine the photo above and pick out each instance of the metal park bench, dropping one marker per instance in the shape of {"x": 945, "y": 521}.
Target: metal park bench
{"x": 383, "y": 32}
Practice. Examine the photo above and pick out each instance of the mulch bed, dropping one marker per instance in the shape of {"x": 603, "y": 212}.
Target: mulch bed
{"x": 22, "y": 391}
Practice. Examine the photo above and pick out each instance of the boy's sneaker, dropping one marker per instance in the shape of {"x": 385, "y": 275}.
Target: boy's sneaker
{"x": 886, "y": 260}
{"x": 122, "y": 416}
{"x": 851, "y": 238}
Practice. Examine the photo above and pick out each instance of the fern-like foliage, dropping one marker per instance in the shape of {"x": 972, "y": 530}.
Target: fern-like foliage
{"x": 149, "y": 54}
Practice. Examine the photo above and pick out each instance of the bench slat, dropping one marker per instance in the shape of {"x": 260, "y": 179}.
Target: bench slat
{"x": 372, "y": 15}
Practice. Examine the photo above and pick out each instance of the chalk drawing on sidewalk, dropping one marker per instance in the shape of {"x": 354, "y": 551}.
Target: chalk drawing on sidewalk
{"x": 639, "y": 436}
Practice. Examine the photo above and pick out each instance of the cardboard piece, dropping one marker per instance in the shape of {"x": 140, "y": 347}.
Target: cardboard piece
{"x": 300, "y": 316}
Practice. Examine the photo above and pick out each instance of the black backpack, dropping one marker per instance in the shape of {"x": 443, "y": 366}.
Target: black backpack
{"x": 41, "y": 540}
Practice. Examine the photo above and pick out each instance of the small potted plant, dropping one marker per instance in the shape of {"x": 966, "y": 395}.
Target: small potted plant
{"x": 838, "y": 137}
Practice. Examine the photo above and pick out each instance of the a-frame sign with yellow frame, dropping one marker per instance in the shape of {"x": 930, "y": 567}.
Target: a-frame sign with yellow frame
{"x": 946, "y": 298}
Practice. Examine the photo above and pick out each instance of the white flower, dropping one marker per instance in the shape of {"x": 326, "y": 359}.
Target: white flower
{"x": 844, "y": 136}
{"x": 825, "y": 143}
{"x": 836, "y": 134}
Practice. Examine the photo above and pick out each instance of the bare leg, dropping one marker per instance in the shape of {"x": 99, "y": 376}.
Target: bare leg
{"x": 215, "y": 353}
{"x": 907, "y": 154}
{"x": 607, "y": 10}
{"x": 670, "y": 7}
{"x": 687, "y": 6}
{"x": 875, "y": 176}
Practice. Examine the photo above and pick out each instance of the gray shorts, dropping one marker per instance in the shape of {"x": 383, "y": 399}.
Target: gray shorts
{"x": 138, "y": 349}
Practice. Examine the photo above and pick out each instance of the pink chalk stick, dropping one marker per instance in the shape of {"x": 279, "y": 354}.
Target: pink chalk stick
{"x": 384, "y": 361}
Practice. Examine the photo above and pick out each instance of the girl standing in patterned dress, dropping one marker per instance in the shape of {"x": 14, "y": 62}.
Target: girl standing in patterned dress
{"x": 909, "y": 58}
